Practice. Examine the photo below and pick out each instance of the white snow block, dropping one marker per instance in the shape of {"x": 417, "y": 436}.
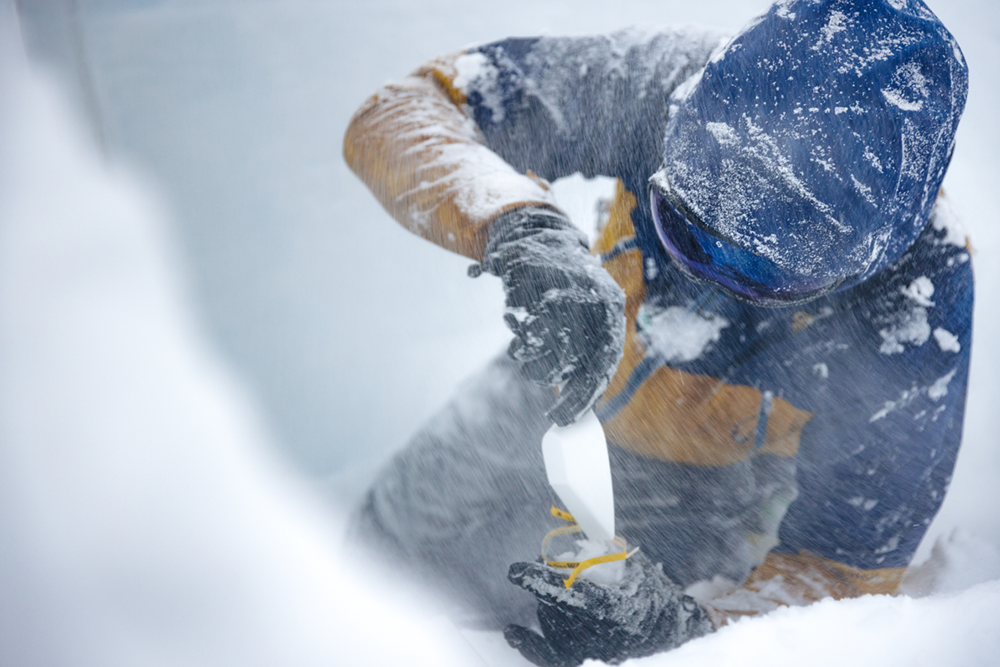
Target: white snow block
{"x": 578, "y": 468}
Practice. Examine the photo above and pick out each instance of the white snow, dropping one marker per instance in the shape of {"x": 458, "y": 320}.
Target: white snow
{"x": 935, "y": 391}
{"x": 837, "y": 22}
{"x": 782, "y": 10}
{"x": 237, "y": 110}
{"x": 957, "y": 561}
{"x": 957, "y": 629}
{"x": 910, "y": 88}
{"x": 862, "y": 189}
{"x": 476, "y": 68}
{"x": 585, "y": 201}
{"x": 945, "y": 219}
{"x": 920, "y": 291}
{"x": 861, "y": 502}
{"x": 143, "y": 519}
{"x": 497, "y": 184}
{"x": 896, "y": 98}
{"x": 939, "y": 389}
{"x": 946, "y": 340}
{"x": 677, "y": 333}
{"x": 468, "y": 68}
{"x": 911, "y": 328}
{"x": 723, "y": 133}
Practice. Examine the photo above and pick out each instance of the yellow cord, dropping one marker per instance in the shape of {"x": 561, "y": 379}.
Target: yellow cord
{"x": 580, "y": 566}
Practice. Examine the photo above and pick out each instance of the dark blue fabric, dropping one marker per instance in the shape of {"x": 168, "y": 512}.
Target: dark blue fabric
{"x": 837, "y": 369}
{"x": 869, "y": 483}
{"x": 819, "y": 137}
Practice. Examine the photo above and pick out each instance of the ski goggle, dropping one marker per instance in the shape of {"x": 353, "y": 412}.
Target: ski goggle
{"x": 705, "y": 254}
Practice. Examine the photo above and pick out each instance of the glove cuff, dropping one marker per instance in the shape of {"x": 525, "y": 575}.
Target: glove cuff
{"x": 527, "y": 220}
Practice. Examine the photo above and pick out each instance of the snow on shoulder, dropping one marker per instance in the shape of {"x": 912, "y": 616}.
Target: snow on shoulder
{"x": 679, "y": 334}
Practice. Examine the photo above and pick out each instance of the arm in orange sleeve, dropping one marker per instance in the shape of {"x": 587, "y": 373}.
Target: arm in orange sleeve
{"x": 425, "y": 161}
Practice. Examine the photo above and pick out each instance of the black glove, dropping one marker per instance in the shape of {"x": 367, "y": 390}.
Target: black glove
{"x": 644, "y": 614}
{"x": 571, "y": 327}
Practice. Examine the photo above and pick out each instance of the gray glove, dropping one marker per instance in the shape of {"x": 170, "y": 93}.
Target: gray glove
{"x": 646, "y": 613}
{"x": 571, "y": 327}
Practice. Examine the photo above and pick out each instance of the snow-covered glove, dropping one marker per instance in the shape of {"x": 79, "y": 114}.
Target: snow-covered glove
{"x": 566, "y": 311}
{"x": 644, "y": 614}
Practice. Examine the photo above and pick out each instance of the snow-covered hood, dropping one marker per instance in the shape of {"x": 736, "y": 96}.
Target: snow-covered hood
{"x": 818, "y": 137}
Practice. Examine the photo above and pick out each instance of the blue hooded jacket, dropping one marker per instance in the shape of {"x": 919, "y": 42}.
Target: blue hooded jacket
{"x": 819, "y": 136}
{"x": 808, "y": 150}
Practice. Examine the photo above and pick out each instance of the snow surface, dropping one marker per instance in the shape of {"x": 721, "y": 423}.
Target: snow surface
{"x": 143, "y": 518}
{"x": 957, "y": 629}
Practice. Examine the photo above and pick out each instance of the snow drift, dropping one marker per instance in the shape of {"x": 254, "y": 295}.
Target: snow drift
{"x": 142, "y": 521}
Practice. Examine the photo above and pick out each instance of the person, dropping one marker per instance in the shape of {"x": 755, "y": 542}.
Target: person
{"x": 773, "y": 324}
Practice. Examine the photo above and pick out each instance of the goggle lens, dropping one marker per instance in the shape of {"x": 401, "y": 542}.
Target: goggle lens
{"x": 745, "y": 274}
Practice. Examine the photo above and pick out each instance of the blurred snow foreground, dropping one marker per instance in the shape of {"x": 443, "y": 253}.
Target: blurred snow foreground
{"x": 141, "y": 520}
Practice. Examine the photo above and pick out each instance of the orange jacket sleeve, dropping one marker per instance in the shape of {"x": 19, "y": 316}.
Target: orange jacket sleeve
{"x": 425, "y": 161}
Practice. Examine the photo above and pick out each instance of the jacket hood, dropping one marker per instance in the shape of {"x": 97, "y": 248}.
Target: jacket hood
{"x": 818, "y": 137}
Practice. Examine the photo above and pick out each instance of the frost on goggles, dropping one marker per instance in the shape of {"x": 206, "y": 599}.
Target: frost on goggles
{"x": 704, "y": 254}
